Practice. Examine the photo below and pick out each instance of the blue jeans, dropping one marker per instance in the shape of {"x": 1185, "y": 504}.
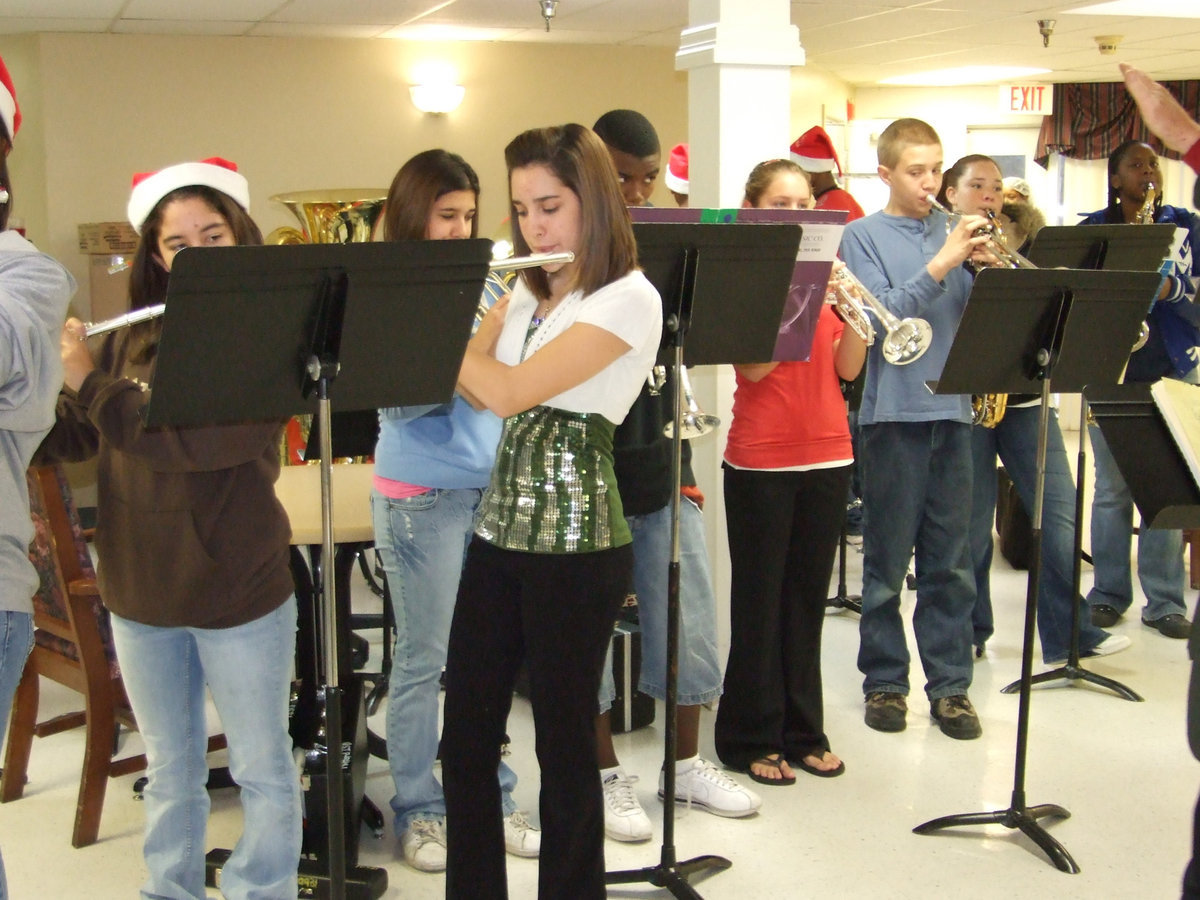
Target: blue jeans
{"x": 248, "y": 672}
{"x": 916, "y": 477}
{"x": 1159, "y": 553}
{"x": 1015, "y": 439}
{"x": 421, "y": 541}
{"x": 16, "y": 640}
{"x": 699, "y": 679}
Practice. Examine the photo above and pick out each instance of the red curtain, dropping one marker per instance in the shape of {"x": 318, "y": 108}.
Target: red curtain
{"x": 1090, "y": 120}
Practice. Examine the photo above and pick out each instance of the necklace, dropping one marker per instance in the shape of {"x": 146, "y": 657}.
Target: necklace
{"x": 544, "y": 308}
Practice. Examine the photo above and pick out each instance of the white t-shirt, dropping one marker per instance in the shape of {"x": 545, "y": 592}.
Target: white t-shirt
{"x": 629, "y": 308}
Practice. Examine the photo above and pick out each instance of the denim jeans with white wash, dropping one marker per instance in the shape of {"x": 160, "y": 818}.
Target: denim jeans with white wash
{"x": 247, "y": 669}
{"x": 422, "y": 541}
{"x": 16, "y": 640}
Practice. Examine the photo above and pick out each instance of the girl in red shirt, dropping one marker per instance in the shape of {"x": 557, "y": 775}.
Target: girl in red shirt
{"x": 787, "y": 469}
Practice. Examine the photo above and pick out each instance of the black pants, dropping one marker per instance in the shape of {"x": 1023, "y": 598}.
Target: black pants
{"x": 556, "y": 612}
{"x": 783, "y": 534}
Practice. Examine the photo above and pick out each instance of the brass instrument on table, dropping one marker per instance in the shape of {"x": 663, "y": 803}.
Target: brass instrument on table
{"x": 906, "y": 340}
{"x": 1145, "y": 216}
{"x": 91, "y": 329}
{"x": 342, "y": 216}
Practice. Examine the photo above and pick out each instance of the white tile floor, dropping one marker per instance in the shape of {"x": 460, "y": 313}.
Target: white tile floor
{"x": 1123, "y": 770}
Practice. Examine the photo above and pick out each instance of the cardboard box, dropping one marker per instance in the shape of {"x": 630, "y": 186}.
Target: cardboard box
{"x": 108, "y": 284}
{"x": 107, "y": 237}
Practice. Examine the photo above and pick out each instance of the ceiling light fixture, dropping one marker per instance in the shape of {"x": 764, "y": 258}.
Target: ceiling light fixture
{"x": 549, "y": 8}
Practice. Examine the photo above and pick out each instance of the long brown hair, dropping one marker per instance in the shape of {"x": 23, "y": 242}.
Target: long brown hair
{"x": 579, "y": 159}
{"x": 147, "y": 278}
{"x": 417, "y": 186}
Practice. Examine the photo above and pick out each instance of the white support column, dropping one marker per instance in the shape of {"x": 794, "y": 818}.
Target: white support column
{"x": 738, "y": 55}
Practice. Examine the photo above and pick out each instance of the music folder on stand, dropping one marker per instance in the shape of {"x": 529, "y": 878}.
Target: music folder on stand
{"x": 1023, "y": 328}
{"x": 254, "y": 333}
{"x": 701, "y": 272}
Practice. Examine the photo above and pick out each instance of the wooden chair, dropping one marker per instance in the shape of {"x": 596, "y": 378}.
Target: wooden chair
{"x": 72, "y": 646}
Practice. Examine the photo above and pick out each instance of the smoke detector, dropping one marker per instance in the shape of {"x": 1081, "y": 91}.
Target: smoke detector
{"x": 1107, "y": 43}
{"x": 1045, "y": 29}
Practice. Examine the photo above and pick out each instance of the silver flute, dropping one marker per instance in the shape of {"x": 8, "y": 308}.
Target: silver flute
{"x": 91, "y": 329}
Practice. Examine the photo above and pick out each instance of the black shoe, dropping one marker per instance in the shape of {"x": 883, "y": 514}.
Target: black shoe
{"x": 1105, "y": 616}
{"x": 1172, "y": 625}
{"x": 886, "y": 711}
{"x": 956, "y": 717}
{"x": 979, "y": 651}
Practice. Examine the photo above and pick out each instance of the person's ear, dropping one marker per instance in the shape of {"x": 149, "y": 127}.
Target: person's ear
{"x": 885, "y": 175}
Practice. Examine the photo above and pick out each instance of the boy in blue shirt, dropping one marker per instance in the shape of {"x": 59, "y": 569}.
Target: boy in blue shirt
{"x": 915, "y": 446}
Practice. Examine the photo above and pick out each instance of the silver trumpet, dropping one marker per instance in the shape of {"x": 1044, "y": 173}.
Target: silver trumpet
{"x": 91, "y": 329}
{"x": 906, "y": 340}
{"x": 695, "y": 423}
{"x": 996, "y": 244}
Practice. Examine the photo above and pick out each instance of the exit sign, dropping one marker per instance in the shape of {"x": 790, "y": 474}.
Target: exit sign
{"x": 1027, "y": 99}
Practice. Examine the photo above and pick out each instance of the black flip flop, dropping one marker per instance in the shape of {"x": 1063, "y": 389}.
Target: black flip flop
{"x": 821, "y": 773}
{"x": 777, "y": 764}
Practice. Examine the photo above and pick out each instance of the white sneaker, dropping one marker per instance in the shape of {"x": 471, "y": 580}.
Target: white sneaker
{"x": 706, "y": 786}
{"x": 1114, "y": 643}
{"x": 624, "y": 818}
{"x": 520, "y": 837}
{"x": 424, "y": 845}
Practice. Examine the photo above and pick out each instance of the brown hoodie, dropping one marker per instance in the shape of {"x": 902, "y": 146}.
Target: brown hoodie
{"x": 189, "y": 531}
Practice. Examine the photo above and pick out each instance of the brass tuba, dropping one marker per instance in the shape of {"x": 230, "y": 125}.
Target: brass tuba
{"x": 340, "y": 216}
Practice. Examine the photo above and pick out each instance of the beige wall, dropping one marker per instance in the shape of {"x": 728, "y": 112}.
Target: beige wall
{"x": 294, "y": 114}
{"x": 306, "y": 113}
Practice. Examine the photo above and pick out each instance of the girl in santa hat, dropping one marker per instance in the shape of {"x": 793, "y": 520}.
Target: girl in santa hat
{"x": 193, "y": 549}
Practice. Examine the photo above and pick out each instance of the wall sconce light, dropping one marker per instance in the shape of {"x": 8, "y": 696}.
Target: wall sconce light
{"x": 437, "y": 98}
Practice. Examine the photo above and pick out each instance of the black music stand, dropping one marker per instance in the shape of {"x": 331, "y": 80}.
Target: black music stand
{"x": 1021, "y": 328}
{"x": 1160, "y": 481}
{"x": 1108, "y": 248}
{"x": 255, "y": 333}
{"x": 699, "y": 271}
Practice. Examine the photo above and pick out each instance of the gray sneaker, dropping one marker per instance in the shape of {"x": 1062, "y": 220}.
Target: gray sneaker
{"x": 956, "y": 717}
{"x": 886, "y": 711}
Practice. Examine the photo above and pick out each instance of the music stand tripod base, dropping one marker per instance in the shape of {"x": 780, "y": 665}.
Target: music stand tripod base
{"x": 1017, "y": 816}
{"x": 1072, "y": 671}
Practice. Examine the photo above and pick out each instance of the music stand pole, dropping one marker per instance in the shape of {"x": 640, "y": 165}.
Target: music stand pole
{"x": 1018, "y": 814}
{"x": 669, "y": 873}
{"x": 1071, "y": 670}
{"x": 1020, "y": 327}
{"x": 843, "y": 599}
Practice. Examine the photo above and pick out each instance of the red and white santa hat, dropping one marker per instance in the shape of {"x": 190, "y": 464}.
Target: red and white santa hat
{"x": 813, "y": 151}
{"x": 677, "y": 169}
{"x": 9, "y": 111}
{"x": 214, "y": 172}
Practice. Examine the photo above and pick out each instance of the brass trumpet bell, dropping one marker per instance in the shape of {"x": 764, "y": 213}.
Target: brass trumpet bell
{"x": 340, "y": 216}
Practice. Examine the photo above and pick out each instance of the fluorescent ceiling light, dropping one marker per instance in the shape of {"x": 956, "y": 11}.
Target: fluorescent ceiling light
{"x": 1166, "y": 9}
{"x": 966, "y": 75}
